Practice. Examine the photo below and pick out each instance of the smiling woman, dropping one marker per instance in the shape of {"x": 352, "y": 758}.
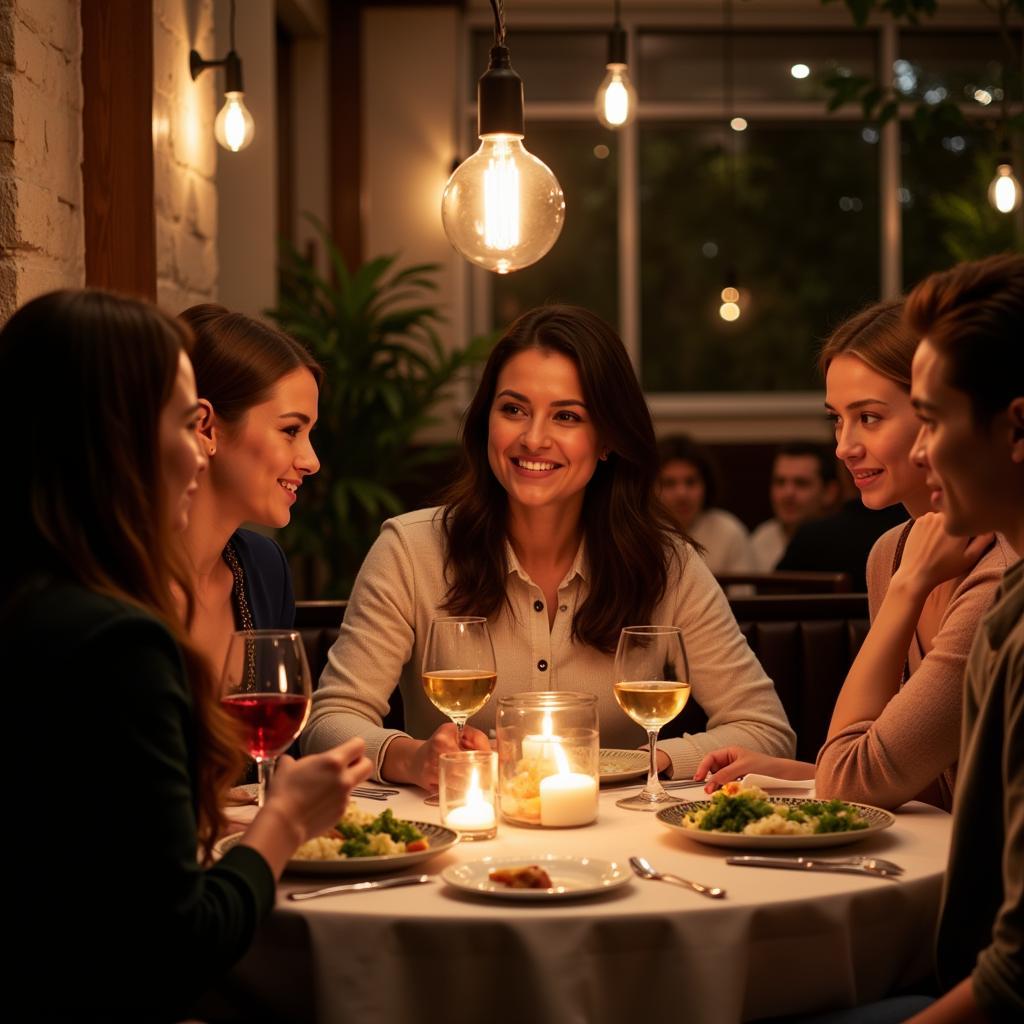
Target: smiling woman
{"x": 258, "y": 392}
{"x": 551, "y": 530}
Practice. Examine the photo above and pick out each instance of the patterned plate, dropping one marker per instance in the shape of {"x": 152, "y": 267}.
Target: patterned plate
{"x": 877, "y": 821}
{"x": 619, "y": 765}
{"x": 571, "y": 877}
{"x": 441, "y": 839}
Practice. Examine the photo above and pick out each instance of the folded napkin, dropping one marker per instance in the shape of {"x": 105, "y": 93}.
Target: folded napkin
{"x": 770, "y": 784}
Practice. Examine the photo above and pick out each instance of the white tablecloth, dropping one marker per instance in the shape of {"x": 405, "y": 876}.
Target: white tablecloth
{"x": 781, "y": 942}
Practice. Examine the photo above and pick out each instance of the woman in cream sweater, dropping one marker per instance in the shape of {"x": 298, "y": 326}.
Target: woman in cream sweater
{"x": 553, "y": 532}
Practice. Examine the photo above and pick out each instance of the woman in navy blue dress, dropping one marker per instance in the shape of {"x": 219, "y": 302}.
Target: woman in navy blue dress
{"x": 258, "y": 392}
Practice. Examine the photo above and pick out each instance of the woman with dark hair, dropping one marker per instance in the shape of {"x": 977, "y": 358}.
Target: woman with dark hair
{"x": 131, "y": 706}
{"x": 895, "y": 731}
{"x": 553, "y": 532}
{"x": 258, "y": 391}
{"x": 688, "y": 487}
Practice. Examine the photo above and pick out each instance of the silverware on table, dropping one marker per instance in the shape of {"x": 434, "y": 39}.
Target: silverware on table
{"x": 383, "y": 883}
{"x": 373, "y": 792}
{"x": 684, "y": 783}
{"x": 642, "y": 867}
{"x": 849, "y": 865}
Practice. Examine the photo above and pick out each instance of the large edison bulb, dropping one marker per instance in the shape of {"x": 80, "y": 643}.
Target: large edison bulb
{"x": 616, "y": 98}
{"x": 1005, "y": 192}
{"x": 730, "y": 307}
{"x": 502, "y": 208}
{"x": 234, "y": 127}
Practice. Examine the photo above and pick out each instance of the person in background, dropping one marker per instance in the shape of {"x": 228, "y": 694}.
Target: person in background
{"x": 687, "y": 486}
{"x": 895, "y": 729}
{"x": 968, "y": 390}
{"x": 553, "y": 532}
{"x": 129, "y": 750}
{"x": 258, "y": 392}
{"x": 803, "y": 487}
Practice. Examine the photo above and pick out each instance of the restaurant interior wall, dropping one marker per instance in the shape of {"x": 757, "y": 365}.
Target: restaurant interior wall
{"x": 42, "y": 233}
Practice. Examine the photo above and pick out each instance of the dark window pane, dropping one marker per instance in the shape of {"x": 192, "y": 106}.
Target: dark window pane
{"x": 553, "y": 65}
{"x": 687, "y": 66}
{"x": 582, "y": 267}
{"x": 944, "y": 199}
{"x": 806, "y": 249}
{"x": 965, "y": 67}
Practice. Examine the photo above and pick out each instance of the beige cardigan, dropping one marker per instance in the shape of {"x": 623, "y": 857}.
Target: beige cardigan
{"x": 910, "y": 750}
{"x": 401, "y": 587}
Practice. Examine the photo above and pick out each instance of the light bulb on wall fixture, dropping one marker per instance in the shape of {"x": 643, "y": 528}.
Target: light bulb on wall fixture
{"x": 234, "y": 127}
{"x": 1004, "y": 193}
{"x": 615, "y": 102}
{"x": 502, "y": 209}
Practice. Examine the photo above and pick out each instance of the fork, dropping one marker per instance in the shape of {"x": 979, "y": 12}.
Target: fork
{"x": 373, "y": 793}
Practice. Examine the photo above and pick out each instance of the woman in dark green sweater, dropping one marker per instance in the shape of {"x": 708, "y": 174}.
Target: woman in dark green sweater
{"x": 138, "y": 753}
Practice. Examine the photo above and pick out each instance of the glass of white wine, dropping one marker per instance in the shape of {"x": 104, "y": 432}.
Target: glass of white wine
{"x": 459, "y": 672}
{"x": 652, "y": 686}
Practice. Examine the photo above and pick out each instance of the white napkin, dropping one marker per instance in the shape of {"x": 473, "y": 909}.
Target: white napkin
{"x": 770, "y": 784}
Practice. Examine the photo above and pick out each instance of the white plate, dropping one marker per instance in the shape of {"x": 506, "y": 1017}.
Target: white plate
{"x": 619, "y": 765}
{"x": 876, "y": 817}
{"x": 441, "y": 839}
{"x": 571, "y": 877}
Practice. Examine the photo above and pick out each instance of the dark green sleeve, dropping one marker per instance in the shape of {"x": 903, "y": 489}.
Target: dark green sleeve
{"x": 174, "y": 926}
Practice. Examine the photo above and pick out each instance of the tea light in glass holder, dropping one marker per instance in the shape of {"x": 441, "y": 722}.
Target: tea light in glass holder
{"x": 468, "y": 789}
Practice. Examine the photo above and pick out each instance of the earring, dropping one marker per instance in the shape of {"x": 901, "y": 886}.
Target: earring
{"x": 603, "y": 456}
{"x": 213, "y": 451}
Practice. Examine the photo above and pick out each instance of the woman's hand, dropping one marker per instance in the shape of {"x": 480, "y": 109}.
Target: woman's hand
{"x": 415, "y": 761}
{"x": 729, "y": 763}
{"x": 931, "y": 556}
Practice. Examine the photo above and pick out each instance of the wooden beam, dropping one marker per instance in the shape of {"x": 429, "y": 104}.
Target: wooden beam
{"x": 117, "y": 130}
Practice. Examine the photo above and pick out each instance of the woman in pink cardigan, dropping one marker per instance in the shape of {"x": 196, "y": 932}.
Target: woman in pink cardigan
{"x": 895, "y": 731}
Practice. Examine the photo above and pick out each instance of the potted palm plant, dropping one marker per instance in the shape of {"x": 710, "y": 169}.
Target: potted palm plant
{"x": 375, "y": 332}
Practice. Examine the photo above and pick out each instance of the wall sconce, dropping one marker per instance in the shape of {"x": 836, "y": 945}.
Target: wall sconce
{"x": 234, "y": 128}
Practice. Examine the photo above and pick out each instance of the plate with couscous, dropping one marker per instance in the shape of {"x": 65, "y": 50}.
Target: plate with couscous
{"x": 364, "y": 844}
{"x": 746, "y": 816}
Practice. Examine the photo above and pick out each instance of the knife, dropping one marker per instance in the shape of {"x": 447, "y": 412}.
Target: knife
{"x": 385, "y": 883}
{"x": 808, "y": 864}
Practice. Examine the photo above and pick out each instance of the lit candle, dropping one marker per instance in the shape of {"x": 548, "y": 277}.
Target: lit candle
{"x": 568, "y": 798}
{"x": 542, "y": 747}
{"x": 476, "y": 814}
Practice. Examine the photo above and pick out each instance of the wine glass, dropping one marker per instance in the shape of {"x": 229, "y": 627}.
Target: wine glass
{"x": 266, "y": 689}
{"x": 459, "y": 671}
{"x": 652, "y": 686}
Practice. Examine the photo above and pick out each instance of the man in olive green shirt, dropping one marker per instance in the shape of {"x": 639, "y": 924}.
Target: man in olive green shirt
{"x": 968, "y": 389}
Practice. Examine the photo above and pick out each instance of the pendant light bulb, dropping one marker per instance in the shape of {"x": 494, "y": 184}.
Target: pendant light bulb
{"x": 730, "y": 309}
{"x": 502, "y": 209}
{"x": 1005, "y": 192}
{"x": 616, "y": 98}
{"x": 234, "y": 128}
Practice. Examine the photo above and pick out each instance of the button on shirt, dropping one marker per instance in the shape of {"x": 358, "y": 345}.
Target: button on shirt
{"x": 401, "y": 587}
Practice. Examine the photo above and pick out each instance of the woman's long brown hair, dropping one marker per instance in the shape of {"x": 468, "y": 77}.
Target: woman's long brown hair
{"x": 629, "y": 536}
{"x": 91, "y": 506}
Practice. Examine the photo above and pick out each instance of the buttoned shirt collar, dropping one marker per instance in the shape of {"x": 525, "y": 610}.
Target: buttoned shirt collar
{"x": 578, "y": 567}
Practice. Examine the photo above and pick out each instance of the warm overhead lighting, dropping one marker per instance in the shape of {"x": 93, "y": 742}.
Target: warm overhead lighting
{"x": 502, "y": 208}
{"x": 616, "y": 98}
{"x": 738, "y": 124}
{"x": 1005, "y": 192}
{"x": 234, "y": 128}
{"x": 800, "y": 71}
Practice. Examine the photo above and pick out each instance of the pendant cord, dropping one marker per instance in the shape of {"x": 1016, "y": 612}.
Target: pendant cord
{"x": 498, "y": 9}
{"x": 730, "y": 113}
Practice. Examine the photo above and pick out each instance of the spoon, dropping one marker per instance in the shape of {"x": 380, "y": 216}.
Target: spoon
{"x": 642, "y": 867}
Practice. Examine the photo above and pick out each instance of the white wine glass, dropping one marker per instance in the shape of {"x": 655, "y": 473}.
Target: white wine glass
{"x": 266, "y": 689}
{"x": 459, "y": 671}
{"x": 652, "y": 685}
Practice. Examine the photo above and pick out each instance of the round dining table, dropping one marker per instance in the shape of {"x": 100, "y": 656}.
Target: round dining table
{"x": 780, "y": 942}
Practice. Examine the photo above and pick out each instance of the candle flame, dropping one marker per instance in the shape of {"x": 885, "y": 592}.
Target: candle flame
{"x": 547, "y": 733}
{"x": 561, "y": 760}
{"x": 474, "y": 794}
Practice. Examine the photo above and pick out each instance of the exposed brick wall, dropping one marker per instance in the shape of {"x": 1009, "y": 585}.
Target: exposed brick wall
{"x": 42, "y": 240}
{"x": 184, "y": 155}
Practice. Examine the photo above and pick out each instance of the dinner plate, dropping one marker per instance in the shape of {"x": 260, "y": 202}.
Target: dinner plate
{"x": 877, "y": 821}
{"x": 571, "y": 877}
{"x": 440, "y": 838}
{"x": 619, "y": 765}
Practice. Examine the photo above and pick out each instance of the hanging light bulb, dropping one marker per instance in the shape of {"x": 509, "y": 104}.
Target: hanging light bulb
{"x": 1005, "y": 192}
{"x": 730, "y": 308}
{"x": 615, "y": 102}
{"x": 234, "y": 127}
{"x": 502, "y": 208}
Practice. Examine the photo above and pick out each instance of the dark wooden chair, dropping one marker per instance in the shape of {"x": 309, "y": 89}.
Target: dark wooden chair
{"x": 788, "y": 582}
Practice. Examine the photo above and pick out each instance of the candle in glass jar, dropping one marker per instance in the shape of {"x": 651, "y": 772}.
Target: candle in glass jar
{"x": 471, "y": 817}
{"x": 542, "y": 747}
